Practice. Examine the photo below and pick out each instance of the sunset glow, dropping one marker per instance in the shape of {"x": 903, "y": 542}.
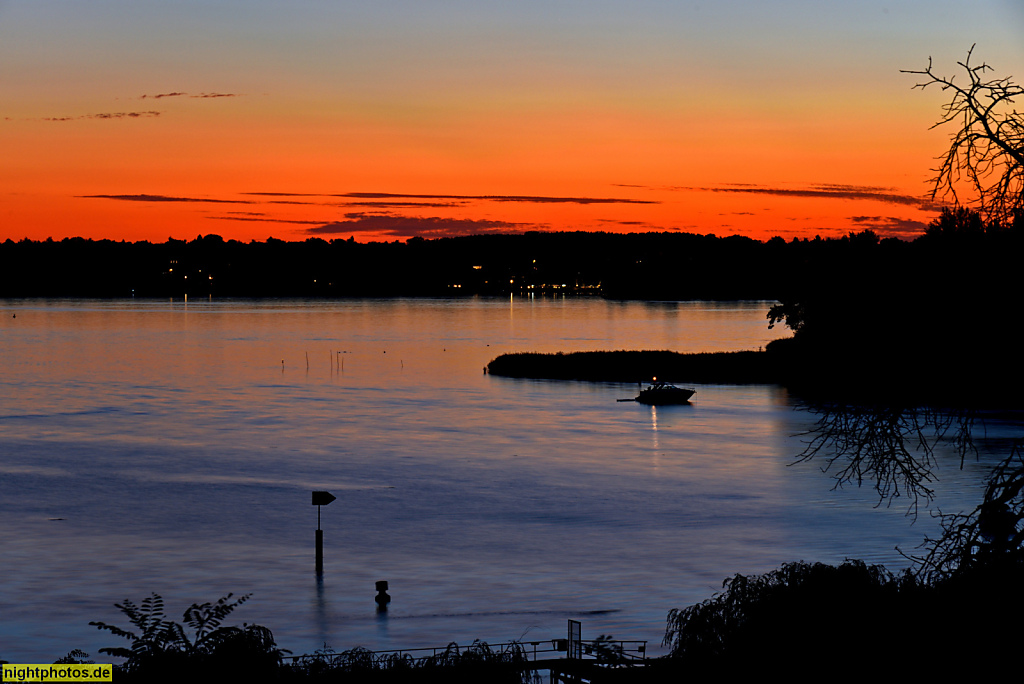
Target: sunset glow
{"x": 148, "y": 120}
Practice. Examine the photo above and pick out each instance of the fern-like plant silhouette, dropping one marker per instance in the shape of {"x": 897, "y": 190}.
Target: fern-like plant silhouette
{"x": 155, "y": 633}
{"x": 162, "y": 646}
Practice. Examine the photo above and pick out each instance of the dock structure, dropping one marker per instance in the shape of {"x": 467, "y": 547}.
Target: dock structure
{"x": 568, "y": 661}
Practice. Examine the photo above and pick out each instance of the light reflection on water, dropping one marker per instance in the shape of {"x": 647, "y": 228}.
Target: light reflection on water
{"x": 179, "y": 452}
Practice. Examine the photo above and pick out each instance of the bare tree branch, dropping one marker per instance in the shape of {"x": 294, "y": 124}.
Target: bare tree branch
{"x": 986, "y": 151}
{"x": 892, "y": 447}
{"x": 992, "y": 535}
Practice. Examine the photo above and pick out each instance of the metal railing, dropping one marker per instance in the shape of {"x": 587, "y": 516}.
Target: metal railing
{"x": 610, "y": 651}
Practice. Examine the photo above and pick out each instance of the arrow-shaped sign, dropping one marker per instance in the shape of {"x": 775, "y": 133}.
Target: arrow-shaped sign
{"x": 323, "y": 498}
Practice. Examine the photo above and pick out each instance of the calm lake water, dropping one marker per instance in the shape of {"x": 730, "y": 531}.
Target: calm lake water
{"x": 171, "y": 447}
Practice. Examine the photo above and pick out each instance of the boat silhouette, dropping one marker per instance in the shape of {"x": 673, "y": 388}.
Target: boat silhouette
{"x": 662, "y": 393}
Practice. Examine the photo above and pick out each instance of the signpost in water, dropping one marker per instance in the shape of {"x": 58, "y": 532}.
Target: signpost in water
{"x": 320, "y": 499}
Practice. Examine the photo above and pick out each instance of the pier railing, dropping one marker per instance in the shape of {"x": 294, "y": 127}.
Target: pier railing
{"x": 602, "y": 651}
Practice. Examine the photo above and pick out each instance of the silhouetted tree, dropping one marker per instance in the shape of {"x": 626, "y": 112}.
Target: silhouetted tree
{"x": 815, "y": 620}
{"x": 958, "y": 224}
{"x": 987, "y": 148}
{"x": 790, "y": 312}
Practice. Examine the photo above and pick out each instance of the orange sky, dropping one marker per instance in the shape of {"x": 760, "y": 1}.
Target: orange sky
{"x": 155, "y": 120}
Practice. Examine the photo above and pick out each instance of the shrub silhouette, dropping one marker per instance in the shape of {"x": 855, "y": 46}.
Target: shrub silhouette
{"x": 454, "y": 665}
{"x": 162, "y": 650}
{"x": 794, "y": 614}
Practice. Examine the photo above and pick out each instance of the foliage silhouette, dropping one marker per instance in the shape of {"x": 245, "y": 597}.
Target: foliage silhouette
{"x": 162, "y": 650}
{"x": 455, "y": 664}
{"x": 74, "y": 657}
{"x": 846, "y": 621}
{"x": 763, "y": 616}
{"x": 606, "y": 649}
{"x": 791, "y": 313}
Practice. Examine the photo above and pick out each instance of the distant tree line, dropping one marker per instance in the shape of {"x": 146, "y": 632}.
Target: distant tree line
{"x": 648, "y": 266}
{"x": 958, "y": 250}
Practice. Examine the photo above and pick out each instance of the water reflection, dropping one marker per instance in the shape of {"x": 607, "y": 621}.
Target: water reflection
{"x": 654, "y": 431}
{"x": 892, "y": 447}
{"x": 320, "y": 611}
{"x": 896, "y": 448}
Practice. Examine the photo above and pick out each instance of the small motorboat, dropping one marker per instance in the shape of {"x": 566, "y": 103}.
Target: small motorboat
{"x": 661, "y": 393}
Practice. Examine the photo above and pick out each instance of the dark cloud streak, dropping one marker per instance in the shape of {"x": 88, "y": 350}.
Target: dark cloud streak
{"x": 410, "y": 226}
{"x": 200, "y": 96}
{"x": 891, "y": 226}
{"x": 541, "y": 199}
{"x": 265, "y": 220}
{"x": 625, "y": 223}
{"x": 162, "y": 198}
{"x": 828, "y": 191}
{"x": 372, "y": 205}
{"x": 404, "y": 204}
{"x": 104, "y": 115}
